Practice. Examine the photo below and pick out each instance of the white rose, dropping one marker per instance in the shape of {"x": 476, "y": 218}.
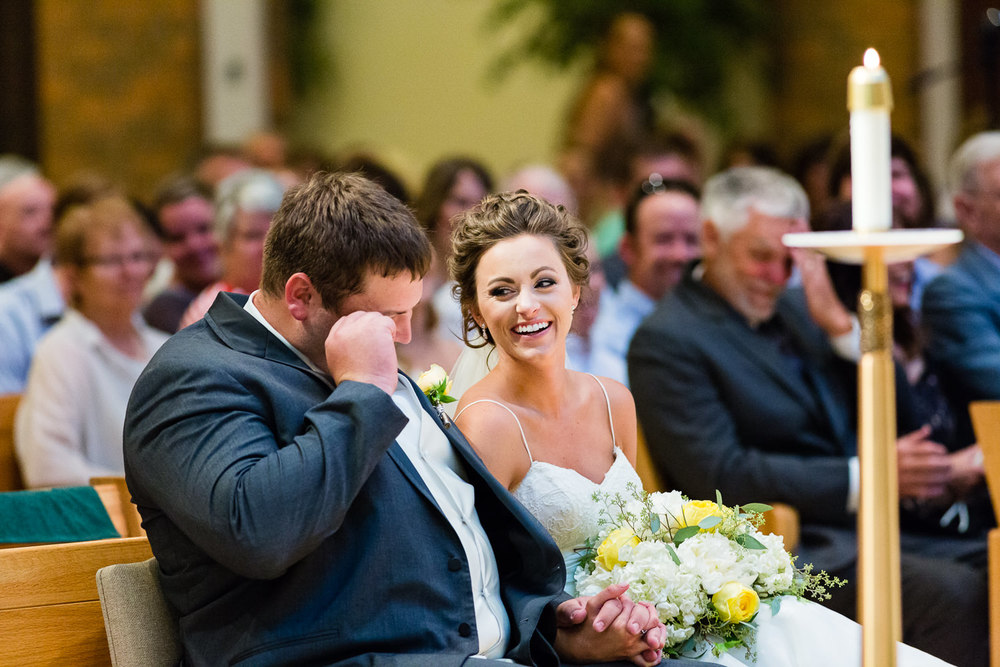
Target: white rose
{"x": 432, "y": 378}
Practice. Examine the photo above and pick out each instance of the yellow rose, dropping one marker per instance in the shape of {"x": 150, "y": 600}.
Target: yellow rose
{"x": 735, "y": 602}
{"x": 694, "y": 511}
{"x": 607, "y": 552}
{"x": 433, "y": 378}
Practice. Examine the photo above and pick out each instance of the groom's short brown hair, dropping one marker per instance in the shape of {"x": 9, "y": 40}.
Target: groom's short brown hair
{"x": 337, "y": 227}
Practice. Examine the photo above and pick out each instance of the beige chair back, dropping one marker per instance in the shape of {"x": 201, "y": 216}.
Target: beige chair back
{"x": 50, "y": 613}
{"x": 141, "y": 628}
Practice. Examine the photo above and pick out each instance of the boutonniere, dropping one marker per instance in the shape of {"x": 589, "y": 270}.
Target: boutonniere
{"x": 436, "y": 384}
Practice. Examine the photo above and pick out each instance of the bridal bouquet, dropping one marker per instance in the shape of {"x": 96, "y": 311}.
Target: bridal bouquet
{"x": 704, "y": 566}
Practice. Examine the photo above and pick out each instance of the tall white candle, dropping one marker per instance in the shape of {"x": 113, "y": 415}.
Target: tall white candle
{"x": 869, "y": 99}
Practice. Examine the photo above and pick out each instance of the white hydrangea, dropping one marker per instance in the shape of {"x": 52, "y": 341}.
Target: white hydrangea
{"x": 682, "y": 591}
{"x": 667, "y": 505}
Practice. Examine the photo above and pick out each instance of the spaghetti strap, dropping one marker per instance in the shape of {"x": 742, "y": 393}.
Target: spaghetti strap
{"x": 607, "y": 399}
{"x": 524, "y": 440}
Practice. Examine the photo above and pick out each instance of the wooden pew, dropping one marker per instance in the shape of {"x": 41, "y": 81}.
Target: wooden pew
{"x": 50, "y": 613}
{"x": 986, "y": 423}
{"x": 782, "y": 520}
{"x": 10, "y": 473}
{"x": 118, "y": 502}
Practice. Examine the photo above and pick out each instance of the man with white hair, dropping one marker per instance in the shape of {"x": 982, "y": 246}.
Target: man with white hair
{"x": 739, "y": 390}
{"x": 244, "y": 205}
{"x": 961, "y": 307}
{"x": 31, "y": 298}
{"x": 26, "y": 201}
{"x": 661, "y": 239}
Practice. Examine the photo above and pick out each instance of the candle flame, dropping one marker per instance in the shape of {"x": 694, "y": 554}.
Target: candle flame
{"x": 871, "y": 59}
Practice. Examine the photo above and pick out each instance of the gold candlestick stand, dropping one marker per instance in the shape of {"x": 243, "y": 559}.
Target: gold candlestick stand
{"x": 879, "y": 601}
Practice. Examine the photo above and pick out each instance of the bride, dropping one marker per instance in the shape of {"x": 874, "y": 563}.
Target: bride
{"x": 555, "y": 436}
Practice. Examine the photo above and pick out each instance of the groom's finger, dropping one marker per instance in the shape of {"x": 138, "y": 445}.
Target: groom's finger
{"x": 606, "y": 606}
{"x": 571, "y": 612}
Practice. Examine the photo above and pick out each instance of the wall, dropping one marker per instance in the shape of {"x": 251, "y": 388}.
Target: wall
{"x": 410, "y": 80}
{"x": 821, "y": 43}
{"x": 118, "y": 86}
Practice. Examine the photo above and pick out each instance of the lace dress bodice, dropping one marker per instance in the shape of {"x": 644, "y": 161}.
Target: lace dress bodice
{"x": 562, "y": 500}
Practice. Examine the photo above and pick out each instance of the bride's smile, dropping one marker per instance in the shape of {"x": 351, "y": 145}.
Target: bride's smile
{"x": 525, "y": 296}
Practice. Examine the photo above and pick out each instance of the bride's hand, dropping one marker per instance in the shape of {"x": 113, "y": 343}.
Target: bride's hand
{"x": 609, "y": 626}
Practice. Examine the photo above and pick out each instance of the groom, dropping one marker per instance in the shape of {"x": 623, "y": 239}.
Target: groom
{"x": 304, "y": 502}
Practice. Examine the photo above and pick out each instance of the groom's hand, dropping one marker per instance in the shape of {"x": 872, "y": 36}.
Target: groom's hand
{"x": 361, "y": 347}
{"x": 609, "y": 626}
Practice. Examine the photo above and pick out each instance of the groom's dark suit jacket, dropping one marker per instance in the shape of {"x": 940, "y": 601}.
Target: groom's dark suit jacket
{"x": 289, "y": 526}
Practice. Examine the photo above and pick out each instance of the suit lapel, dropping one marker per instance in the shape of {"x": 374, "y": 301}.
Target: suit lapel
{"x": 242, "y": 332}
{"x": 480, "y": 475}
{"x": 981, "y": 269}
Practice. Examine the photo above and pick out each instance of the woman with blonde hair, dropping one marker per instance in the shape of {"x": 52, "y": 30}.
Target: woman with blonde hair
{"x": 69, "y": 425}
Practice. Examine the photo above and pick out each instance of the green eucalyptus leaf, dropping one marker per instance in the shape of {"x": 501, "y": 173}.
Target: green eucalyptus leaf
{"x": 673, "y": 555}
{"x": 684, "y": 533}
{"x": 749, "y": 541}
{"x": 654, "y": 523}
{"x": 759, "y": 508}
{"x": 709, "y": 522}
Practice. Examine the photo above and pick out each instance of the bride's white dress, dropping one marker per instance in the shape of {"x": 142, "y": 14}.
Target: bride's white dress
{"x": 802, "y": 633}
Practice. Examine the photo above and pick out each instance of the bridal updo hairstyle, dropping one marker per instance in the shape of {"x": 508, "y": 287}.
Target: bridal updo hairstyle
{"x": 503, "y": 216}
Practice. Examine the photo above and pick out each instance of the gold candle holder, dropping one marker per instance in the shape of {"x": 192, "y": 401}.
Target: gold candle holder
{"x": 879, "y": 592}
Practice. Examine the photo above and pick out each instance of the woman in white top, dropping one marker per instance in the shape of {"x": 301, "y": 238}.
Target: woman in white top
{"x": 552, "y": 435}
{"x": 69, "y": 425}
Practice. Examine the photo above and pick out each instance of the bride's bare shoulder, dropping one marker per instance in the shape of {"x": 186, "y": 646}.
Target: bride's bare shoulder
{"x": 618, "y": 394}
{"x": 479, "y": 412}
{"x": 495, "y": 433}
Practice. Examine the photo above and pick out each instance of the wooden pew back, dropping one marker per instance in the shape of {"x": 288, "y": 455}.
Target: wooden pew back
{"x": 50, "y": 613}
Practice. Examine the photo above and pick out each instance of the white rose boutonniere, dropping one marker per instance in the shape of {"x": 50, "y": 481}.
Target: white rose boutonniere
{"x": 436, "y": 384}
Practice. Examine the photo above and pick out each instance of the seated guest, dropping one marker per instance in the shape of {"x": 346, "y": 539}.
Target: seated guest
{"x": 545, "y": 182}
{"x": 305, "y": 503}
{"x": 182, "y": 218}
{"x": 920, "y": 399}
{"x": 661, "y": 239}
{"x": 30, "y": 304}
{"x": 374, "y": 169}
{"x": 68, "y": 427}
{"x": 245, "y": 203}
{"x": 961, "y": 307}
{"x": 548, "y": 184}
{"x": 452, "y": 185}
{"x": 26, "y": 201}
{"x": 675, "y": 156}
{"x": 737, "y": 389}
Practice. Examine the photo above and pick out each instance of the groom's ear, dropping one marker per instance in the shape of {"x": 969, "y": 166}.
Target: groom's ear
{"x": 300, "y": 296}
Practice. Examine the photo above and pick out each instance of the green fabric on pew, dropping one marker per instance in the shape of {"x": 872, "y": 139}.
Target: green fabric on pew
{"x": 72, "y": 514}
